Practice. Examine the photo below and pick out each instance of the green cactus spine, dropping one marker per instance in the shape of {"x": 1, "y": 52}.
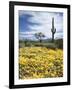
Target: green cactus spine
{"x": 53, "y": 30}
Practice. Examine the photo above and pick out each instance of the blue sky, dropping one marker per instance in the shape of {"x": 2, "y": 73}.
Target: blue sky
{"x": 31, "y": 22}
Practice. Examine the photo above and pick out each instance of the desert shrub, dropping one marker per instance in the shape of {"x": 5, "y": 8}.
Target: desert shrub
{"x": 59, "y": 43}
{"x": 28, "y": 44}
{"x": 51, "y": 46}
{"x": 21, "y": 45}
{"x": 47, "y": 45}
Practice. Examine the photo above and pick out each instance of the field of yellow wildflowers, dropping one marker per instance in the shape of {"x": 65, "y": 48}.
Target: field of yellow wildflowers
{"x": 40, "y": 62}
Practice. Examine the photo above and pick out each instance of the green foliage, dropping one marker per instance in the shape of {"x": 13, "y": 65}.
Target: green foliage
{"x": 48, "y": 44}
{"x": 59, "y": 43}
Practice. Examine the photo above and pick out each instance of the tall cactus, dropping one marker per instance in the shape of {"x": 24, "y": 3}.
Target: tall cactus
{"x": 53, "y": 30}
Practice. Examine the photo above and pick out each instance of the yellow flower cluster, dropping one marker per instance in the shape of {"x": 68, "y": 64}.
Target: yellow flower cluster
{"x": 40, "y": 62}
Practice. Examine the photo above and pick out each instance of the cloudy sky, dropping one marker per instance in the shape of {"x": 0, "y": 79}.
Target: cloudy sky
{"x": 31, "y": 22}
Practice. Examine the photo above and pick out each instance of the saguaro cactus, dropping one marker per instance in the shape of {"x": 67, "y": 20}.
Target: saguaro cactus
{"x": 53, "y": 30}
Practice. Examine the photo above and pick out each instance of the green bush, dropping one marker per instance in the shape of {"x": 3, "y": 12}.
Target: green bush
{"x": 47, "y": 45}
{"x": 59, "y": 43}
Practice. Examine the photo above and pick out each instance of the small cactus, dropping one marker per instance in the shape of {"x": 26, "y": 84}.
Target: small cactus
{"x": 53, "y": 30}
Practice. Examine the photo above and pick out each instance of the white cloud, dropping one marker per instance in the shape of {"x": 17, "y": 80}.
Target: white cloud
{"x": 45, "y": 21}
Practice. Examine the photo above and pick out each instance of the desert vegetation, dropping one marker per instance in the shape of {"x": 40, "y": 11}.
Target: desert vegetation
{"x": 41, "y": 58}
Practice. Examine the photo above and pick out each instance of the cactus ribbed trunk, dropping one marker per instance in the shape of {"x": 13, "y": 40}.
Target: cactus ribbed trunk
{"x": 52, "y": 37}
{"x": 53, "y": 30}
